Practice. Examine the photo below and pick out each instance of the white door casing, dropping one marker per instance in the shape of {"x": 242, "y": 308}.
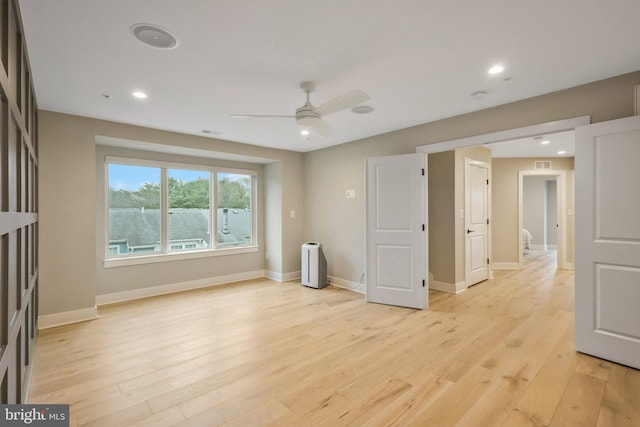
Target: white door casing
{"x": 396, "y": 231}
{"x": 607, "y": 284}
{"x": 476, "y": 208}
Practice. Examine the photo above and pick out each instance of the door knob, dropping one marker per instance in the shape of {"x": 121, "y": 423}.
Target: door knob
{"x": 469, "y": 231}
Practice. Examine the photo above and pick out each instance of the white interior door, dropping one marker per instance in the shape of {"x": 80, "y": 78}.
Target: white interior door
{"x": 608, "y": 240}
{"x": 396, "y": 236}
{"x": 476, "y": 196}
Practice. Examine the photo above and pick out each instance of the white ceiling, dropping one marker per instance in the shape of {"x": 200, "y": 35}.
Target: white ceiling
{"x": 560, "y": 144}
{"x": 418, "y": 60}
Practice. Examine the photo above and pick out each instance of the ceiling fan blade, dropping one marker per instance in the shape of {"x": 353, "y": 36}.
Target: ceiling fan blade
{"x": 269, "y": 116}
{"x": 320, "y": 127}
{"x": 347, "y": 100}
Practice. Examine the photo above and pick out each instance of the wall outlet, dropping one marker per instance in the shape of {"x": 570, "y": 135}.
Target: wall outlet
{"x": 351, "y": 194}
{"x": 293, "y": 214}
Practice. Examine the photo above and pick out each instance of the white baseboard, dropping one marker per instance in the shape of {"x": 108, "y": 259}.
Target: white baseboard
{"x": 452, "y": 288}
{"x": 283, "y": 277}
{"x": 347, "y": 284}
{"x": 59, "y": 319}
{"x": 176, "y": 287}
{"x": 505, "y": 265}
{"x": 67, "y": 317}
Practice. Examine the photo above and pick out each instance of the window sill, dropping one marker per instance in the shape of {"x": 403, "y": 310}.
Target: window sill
{"x": 167, "y": 257}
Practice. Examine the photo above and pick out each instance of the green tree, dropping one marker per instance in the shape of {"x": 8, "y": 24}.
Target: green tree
{"x": 189, "y": 195}
{"x": 120, "y": 198}
{"x": 148, "y": 196}
{"x": 234, "y": 193}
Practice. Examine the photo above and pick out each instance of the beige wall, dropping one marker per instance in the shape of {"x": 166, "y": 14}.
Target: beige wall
{"x": 442, "y": 217}
{"x": 273, "y": 203}
{"x": 446, "y": 200}
{"x": 293, "y": 199}
{"x": 505, "y": 230}
{"x": 312, "y": 184}
{"x": 71, "y": 272}
{"x": 339, "y": 223}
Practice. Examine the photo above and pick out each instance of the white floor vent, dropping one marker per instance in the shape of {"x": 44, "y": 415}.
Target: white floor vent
{"x": 542, "y": 165}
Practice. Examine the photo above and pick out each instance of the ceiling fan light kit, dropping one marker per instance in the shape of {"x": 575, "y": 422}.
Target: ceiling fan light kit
{"x": 309, "y": 116}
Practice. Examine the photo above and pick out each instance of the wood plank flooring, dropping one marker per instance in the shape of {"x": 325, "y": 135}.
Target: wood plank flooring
{"x": 262, "y": 353}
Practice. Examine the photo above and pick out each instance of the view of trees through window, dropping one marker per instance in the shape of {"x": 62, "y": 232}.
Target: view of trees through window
{"x": 189, "y": 224}
{"x": 135, "y": 213}
{"x": 234, "y": 208}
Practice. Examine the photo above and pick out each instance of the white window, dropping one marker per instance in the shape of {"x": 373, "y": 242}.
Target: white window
{"x": 165, "y": 209}
{"x": 189, "y": 207}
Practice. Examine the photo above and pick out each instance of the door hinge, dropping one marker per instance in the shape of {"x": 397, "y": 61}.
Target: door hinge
{"x": 422, "y": 171}
{"x": 487, "y": 260}
{"x": 487, "y": 182}
{"x": 422, "y": 227}
{"x": 487, "y": 221}
{"x": 423, "y": 283}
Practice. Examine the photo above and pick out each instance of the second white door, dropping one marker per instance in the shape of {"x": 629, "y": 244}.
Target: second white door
{"x": 396, "y": 236}
{"x": 476, "y": 179}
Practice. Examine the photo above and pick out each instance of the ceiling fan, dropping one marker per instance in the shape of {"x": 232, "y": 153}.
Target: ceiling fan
{"x": 310, "y": 116}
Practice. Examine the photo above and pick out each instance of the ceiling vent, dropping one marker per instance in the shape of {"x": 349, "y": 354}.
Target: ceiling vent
{"x": 542, "y": 165}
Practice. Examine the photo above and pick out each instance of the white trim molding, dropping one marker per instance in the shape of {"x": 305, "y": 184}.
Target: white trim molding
{"x": 176, "y": 287}
{"x": 283, "y": 277}
{"x": 506, "y": 135}
{"x": 452, "y": 288}
{"x": 67, "y": 317}
{"x": 347, "y": 284}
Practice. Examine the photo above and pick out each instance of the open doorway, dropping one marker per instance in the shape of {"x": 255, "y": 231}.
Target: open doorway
{"x": 506, "y": 233}
{"x": 539, "y": 211}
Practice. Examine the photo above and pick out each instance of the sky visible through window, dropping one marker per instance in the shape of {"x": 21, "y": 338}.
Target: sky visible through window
{"x": 131, "y": 178}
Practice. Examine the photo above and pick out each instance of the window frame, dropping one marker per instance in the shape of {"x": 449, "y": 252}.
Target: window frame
{"x": 165, "y": 253}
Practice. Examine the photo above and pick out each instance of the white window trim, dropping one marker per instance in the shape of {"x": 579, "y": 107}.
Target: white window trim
{"x": 166, "y": 254}
{"x": 176, "y": 256}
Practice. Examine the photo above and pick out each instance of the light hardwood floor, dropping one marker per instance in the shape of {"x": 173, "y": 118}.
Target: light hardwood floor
{"x": 279, "y": 354}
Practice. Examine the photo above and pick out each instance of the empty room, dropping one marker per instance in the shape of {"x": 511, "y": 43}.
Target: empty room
{"x": 295, "y": 213}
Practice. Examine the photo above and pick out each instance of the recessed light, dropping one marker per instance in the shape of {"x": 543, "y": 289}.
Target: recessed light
{"x": 478, "y": 95}
{"x": 139, "y": 95}
{"x": 304, "y": 132}
{"x": 561, "y": 152}
{"x": 545, "y": 142}
{"x": 153, "y": 36}
{"x": 496, "y": 69}
{"x": 362, "y": 109}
